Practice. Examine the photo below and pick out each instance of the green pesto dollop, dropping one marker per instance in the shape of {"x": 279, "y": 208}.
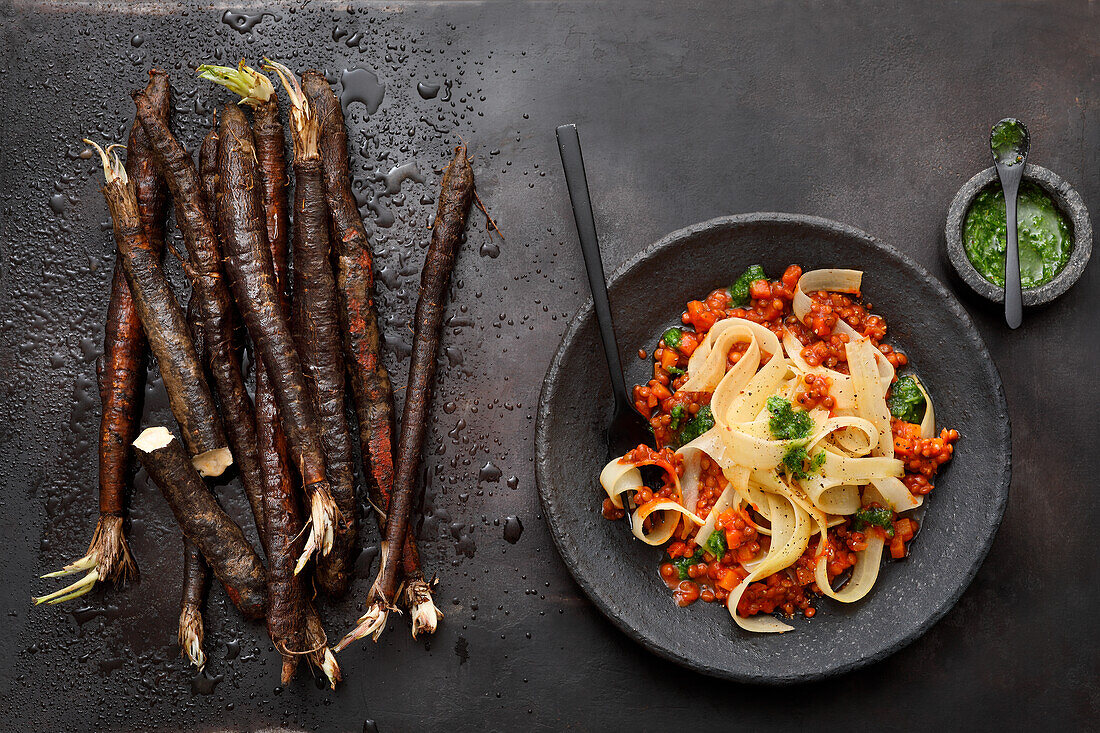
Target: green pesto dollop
{"x": 906, "y": 401}
{"x": 716, "y": 544}
{"x": 876, "y": 517}
{"x": 701, "y": 423}
{"x": 1007, "y": 140}
{"x": 787, "y": 423}
{"x": 739, "y": 291}
{"x": 1042, "y": 232}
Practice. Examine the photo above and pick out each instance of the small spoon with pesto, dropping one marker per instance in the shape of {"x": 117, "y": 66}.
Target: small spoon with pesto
{"x": 1010, "y": 143}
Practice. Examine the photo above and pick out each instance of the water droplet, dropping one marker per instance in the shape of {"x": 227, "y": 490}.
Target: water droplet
{"x": 489, "y": 472}
{"x": 86, "y": 614}
{"x": 137, "y": 40}
{"x": 106, "y": 666}
{"x": 383, "y": 216}
{"x": 203, "y": 685}
{"x": 389, "y": 277}
{"x": 427, "y": 91}
{"x": 242, "y": 22}
{"x": 454, "y": 433}
{"x": 513, "y": 528}
{"x": 361, "y": 85}
{"x": 490, "y": 249}
{"x": 399, "y": 174}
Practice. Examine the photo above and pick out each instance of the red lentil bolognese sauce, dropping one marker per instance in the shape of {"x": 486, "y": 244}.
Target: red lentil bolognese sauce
{"x": 789, "y": 446}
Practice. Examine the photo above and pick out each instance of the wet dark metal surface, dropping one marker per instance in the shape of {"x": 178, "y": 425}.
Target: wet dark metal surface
{"x": 870, "y": 116}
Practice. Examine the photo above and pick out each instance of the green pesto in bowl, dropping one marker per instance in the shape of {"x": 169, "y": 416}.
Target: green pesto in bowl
{"x": 1043, "y": 232}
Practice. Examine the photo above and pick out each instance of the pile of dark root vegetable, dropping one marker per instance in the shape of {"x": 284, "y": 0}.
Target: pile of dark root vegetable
{"x": 305, "y": 297}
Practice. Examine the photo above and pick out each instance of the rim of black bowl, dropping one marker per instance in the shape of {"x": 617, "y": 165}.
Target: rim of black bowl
{"x": 586, "y": 311}
{"x": 1068, "y": 201}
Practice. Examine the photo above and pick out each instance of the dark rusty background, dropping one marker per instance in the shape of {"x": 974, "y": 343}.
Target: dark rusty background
{"x": 873, "y": 116}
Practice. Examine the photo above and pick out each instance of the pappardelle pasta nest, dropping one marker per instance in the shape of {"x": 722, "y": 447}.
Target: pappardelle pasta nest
{"x": 787, "y": 474}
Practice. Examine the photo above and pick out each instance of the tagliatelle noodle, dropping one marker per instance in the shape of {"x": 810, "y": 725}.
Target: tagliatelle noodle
{"x": 865, "y": 572}
{"x": 928, "y": 422}
{"x": 871, "y": 404}
{"x": 870, "y": 393}
{"x": 618, "y": 477}
{"x": 841, "y": 388}
{"x": 689, "y": 483}
{"x": 738, "y": 476}
{"x": 836, "y": 281}
{"x": 790, "y": 537}
{"x": 792, "y": 492}
{"x": 672, "y": 514}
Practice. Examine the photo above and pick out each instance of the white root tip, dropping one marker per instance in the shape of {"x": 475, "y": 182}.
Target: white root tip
{"x": 70, "y": 592}
{"x": 87, "y": 562}
{"x": 425, "y": 615}
{"x": 324, "y": 514}
{"x": 289, "y": 81}
{"x": 108, "y": 558}
{"x": 321, "y": 523}
{"x": 425, "y": 618}
{"x": 191, "y": 636}
{"x": 113, "y": 169}
{"x": 330, "y": 668}
{"x": 372, "y": 623}
{"x": 213, "y": 463}
{"x": 307, "y": 550}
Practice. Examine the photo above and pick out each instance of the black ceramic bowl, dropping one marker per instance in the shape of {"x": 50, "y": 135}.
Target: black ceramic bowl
{"x": 1065, "y": 198}
{"x": 620, "y": 574}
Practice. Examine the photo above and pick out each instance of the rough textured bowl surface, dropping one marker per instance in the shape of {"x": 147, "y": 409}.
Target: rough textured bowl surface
{"x": 1068, "y": 201}
{"x": 620, "y": 574}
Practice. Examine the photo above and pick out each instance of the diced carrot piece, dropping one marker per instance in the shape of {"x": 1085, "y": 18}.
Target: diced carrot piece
{"x": 688, "y": 344}
{"x": 904, "y": 528}
{"x": 760, "y": 289}
{"x": 791, "y": 275}
{"x": 904, "y": 446}
{"x": 908, "y": 429}
{"x": 701, "y": 316}
{"x": 728, "y": 581}
{"x": 668, "y": 358}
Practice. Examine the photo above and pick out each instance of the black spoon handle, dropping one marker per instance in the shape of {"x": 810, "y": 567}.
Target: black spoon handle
{"x": 1014, "y": 306}
{"x": 569, "y": 145}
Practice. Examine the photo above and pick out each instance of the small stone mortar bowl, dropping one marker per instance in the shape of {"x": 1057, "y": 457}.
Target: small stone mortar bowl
{"x": 1068, "y": 202}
